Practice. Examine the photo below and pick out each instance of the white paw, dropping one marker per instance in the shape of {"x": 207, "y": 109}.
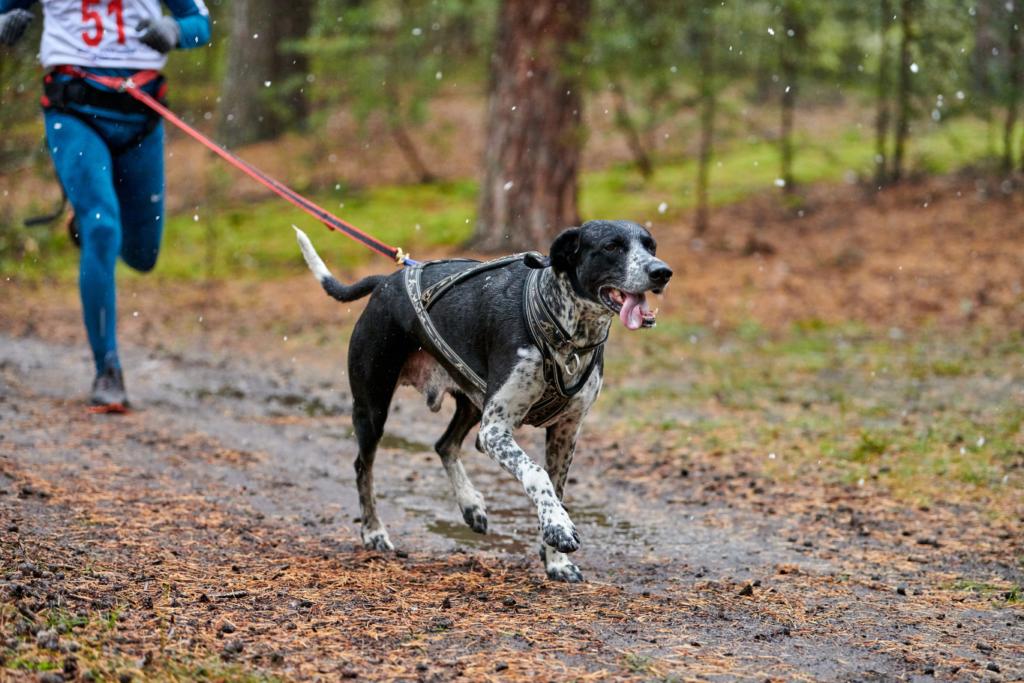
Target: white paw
{"x": 377, "y": 539}
{"x": 562, "y": 538}
{"x": 558, "y": 566}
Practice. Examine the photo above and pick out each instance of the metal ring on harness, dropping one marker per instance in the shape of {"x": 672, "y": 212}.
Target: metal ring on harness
{"x": 574, "y": 357}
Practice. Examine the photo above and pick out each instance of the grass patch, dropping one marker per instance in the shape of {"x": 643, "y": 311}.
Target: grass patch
{"x": 809, "y": 397}
{"x": 255, "y": 240}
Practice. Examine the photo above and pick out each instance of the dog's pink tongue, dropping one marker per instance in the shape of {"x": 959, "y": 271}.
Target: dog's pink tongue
{"x": 631, "y": 313}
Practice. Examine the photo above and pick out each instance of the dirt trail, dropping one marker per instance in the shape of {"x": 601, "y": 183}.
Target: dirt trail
{"x": 234, "y": 466}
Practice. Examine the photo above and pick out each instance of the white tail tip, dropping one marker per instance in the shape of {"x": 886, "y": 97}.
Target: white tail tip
{"x": 312, "y": 259}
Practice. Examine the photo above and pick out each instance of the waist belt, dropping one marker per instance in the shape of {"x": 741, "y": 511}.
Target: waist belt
{"x": 59, "y": 93}
{"x": 544, "y": 329}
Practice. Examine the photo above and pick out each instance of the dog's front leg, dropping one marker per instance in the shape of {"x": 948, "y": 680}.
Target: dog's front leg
{"x": 561, "y": 444}
{"x": 504, "y": 410}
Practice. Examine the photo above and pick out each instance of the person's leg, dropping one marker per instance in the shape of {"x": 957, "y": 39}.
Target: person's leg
{"x": 85, "y": 168}
{"x": 139, "y": 183}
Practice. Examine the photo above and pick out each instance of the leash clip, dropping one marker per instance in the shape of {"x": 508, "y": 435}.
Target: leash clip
{"x": 126, "y": 84}
{"x": 400, "y": 256}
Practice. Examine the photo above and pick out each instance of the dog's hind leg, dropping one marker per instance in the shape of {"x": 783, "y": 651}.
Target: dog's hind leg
{"x": 374, "y": 366}
{"x": 449, "y": 447}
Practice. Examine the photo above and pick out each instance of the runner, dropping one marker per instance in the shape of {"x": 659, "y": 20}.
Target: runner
{"x": 106, "y": 146}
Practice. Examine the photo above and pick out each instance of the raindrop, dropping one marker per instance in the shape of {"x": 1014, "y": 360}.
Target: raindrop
{"x": 196, "y": 217}
{"x": 981, "y": 441}
{"x": 438, "y": 75}
{"x": 779, "y": 182}
{"x": 266, "y": 84}
{"x": 772, "y": 456}
{"x": 914, "y": 67}
{"x": 662, "y": 207}
{"x": 771, "y": 32}
{"x": 509, "y": 184}
{"x": 417, "y": 31}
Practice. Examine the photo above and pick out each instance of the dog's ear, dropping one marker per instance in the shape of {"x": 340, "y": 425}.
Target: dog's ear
{"x": 535, "y": 260}
{"x": 565, "y": 250}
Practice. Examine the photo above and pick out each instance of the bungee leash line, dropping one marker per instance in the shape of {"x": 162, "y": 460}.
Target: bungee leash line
{"x": 133, "y": 85}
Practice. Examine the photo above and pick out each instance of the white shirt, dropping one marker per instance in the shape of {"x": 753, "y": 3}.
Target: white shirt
{"x": 98, "y": 33}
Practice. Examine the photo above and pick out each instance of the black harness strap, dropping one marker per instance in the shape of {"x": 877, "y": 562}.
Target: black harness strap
{"x": 545, "y": 331}
{"x": 554, "y": 342}
{"x": 414, "y": 288}
{"x": 436, "y": 290}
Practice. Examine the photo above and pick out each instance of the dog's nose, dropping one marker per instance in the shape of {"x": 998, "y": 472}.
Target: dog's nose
{"x": 660, "y": 273}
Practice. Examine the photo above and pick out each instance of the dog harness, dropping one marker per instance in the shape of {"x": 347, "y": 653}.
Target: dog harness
{"x": 562, "y": 358}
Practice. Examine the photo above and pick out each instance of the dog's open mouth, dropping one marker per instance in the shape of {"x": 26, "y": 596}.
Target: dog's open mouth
{"x": 632, "y": 308}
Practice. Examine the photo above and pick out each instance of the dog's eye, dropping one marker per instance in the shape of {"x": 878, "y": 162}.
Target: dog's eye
{"x": 611, "y": 247}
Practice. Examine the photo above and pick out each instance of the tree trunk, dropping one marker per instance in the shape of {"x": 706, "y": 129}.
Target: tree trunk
{"x": 253, "y": 110}
{"x": 1013, "y": 81}
{"x": 534, "y": 129}
{"x": 624, "y": 122}
{"x": 706, "y": 37}
{"x": 882, "y": 114}
{"x": 904, "y": 85}
{"x": 404, "y": 141}
{"x": 789, "y": 66}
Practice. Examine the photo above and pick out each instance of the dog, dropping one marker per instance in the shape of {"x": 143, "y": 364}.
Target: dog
{"x": 480, "y": 329}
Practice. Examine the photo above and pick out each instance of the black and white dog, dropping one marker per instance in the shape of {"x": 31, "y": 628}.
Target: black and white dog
{"x": 592, "y": 274}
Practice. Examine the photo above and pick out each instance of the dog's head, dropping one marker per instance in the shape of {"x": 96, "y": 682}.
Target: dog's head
{"x": 612, "y": 264}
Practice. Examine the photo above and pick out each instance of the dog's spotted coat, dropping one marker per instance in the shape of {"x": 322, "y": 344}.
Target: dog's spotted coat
{"x": 589, "y": 271}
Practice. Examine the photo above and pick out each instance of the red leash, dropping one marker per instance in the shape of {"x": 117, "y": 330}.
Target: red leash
{"x": 133, "y": 85}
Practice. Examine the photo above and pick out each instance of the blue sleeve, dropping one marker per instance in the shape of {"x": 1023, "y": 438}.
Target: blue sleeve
{"x": 194, "y": 20}
{"x": 7, "y": 5}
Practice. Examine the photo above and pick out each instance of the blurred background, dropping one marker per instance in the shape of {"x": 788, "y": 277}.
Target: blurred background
{"x": 393, "y": 114}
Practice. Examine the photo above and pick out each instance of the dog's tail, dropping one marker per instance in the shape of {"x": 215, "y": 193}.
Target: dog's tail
{"x": 343, "y": 293}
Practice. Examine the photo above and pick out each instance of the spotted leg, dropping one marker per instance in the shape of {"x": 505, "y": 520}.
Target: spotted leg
{"x": 561, "y": 444}
{"x": 449, "y": 447}
{"x": 504, "y": 410}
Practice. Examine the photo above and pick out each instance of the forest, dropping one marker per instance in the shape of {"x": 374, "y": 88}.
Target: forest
{"x": 677, "y": 82}
{"x": 811, "y": 468}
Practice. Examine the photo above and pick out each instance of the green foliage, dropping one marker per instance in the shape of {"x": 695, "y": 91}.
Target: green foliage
{"x": 393, "y": 56}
